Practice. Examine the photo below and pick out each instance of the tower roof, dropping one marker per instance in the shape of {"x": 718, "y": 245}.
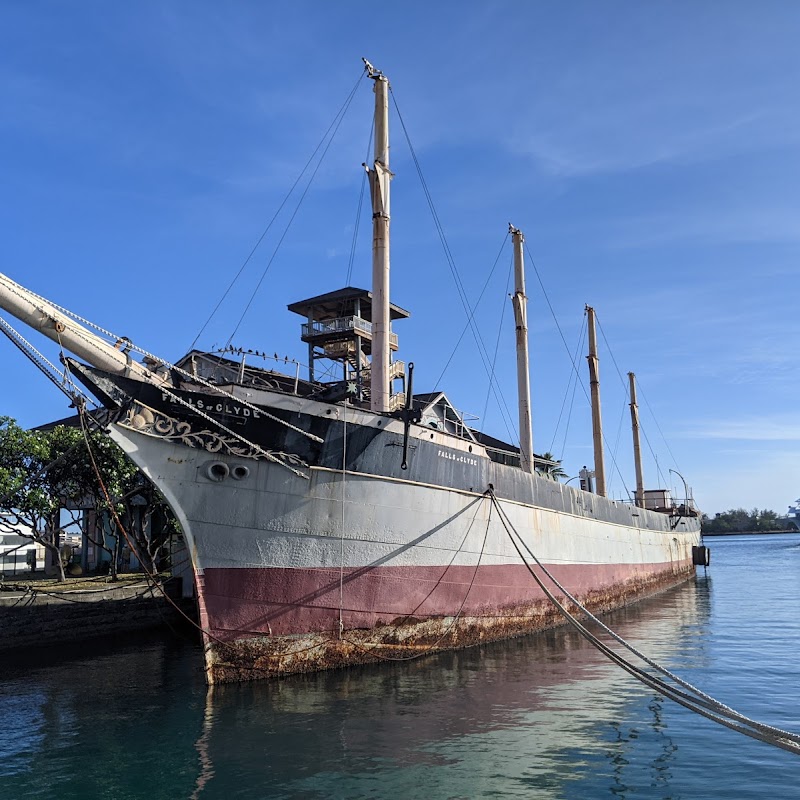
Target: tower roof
{"x": 342, "y": 303}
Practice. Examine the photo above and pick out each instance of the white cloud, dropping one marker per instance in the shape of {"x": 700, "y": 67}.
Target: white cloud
{"x": 746, "y": 224}
{"x": 783, "y": 427}
{"x": 623, "y": 138}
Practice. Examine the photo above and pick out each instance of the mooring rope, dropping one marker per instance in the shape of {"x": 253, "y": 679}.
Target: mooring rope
{"x": 155, "y": 583}
{"x": 433, "y": 645}
{"x": 206, "y": 632}
{"x": 693, "y": 699}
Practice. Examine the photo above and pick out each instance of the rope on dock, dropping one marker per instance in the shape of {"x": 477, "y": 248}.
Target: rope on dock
{"x": 693, "y": 698}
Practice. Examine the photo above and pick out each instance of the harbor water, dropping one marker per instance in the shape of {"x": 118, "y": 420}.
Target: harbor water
{"x": 546, "y": 716}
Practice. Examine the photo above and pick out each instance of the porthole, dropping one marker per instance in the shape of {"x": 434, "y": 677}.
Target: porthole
{"x": 240, "y": 472}
{"x": 470, "y": 448}
{"x": 217, "y": 471}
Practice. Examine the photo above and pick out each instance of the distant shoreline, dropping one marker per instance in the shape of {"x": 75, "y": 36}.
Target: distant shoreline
{"x": 751, "y": 533}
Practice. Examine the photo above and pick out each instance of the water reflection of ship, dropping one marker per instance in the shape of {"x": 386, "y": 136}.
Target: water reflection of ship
{"x": 512, "y": 709}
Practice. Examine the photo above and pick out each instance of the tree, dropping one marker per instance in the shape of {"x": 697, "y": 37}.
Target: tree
{"x": 29, "y": 495}
{"x": 552, "y": 470}
{"x": 47, "y": 474}
{"x": 739, "y": 520}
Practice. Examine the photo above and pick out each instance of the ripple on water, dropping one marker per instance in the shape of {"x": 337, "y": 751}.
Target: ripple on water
{"x": 542, "y": 717}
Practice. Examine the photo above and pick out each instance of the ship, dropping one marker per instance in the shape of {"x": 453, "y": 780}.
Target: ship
{"x": 793, "y": 515}
{"x": 334, "y": 523}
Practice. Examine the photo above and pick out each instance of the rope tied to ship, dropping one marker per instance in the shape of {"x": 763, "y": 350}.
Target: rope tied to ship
{"x": 426, "y": 650}
{"x": 693, "y": 699}
{"x": 113, "y": 511}
{"x": 208, "y": 636}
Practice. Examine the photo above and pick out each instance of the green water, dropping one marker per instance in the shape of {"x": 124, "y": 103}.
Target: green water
{"x": 541, "y": 717}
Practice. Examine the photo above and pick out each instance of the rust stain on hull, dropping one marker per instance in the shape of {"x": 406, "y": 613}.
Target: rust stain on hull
{"x": 258, "y": 658}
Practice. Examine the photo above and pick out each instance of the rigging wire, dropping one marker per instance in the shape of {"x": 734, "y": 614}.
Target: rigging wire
{"x": 277, "y": 213}
{"x": 693, "y": 699}
{"x": 296, "y": 210}
{"x": 652, "y": 453}
{"x": 178, "y": 370}
{"x": 50, "y": 371}
{"x": 555, "y": 318}
{"x": 626, "y": 390}
{"x": 613, "y": 359}
{"x": 474, "y": 308}
{"x": 571, "y": 407}
{"x": 655, "y": 420}
{"x": 358, "y": 210}
{"x": 615, "y": 452}
{"x": 570, "y": 384}
{"x": 499, "y": 332}
{"x": 627, "y": 395}
{"x": 41, "y": 362}
{"x": 493, "y": 386}
{"x": 462, "y": 294}
{"x": 574, "y": 365}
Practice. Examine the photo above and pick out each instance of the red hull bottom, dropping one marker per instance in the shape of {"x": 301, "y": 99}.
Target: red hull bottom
{"x": 271, "y": 621}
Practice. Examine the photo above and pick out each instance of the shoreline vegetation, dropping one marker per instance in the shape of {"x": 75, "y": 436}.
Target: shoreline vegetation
{"x": 741, "y": 521}
{"x": 752, "y": 533}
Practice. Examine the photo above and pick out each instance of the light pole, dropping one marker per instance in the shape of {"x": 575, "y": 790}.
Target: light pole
{"x": 685, "y": 489}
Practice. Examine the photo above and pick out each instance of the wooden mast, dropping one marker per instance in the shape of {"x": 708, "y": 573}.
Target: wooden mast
{"x": 379, "y": 180}
{"x": 519, "y": 302}
{"x": 637, "y": 448}
{"x": 597, "y": 421}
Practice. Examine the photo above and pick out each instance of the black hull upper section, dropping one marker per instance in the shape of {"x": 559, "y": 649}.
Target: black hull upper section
{"x": 370, "y": 448}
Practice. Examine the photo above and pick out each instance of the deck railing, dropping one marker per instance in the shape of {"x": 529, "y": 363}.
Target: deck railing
{"x": 397, "y": 369}
{"x": 328, "y": 327}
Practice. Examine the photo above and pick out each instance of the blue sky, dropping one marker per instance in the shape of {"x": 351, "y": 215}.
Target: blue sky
{"x": 649, "y": 151}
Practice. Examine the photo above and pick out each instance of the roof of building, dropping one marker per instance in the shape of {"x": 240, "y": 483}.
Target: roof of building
{"x": 341, "y": 303}
{"x": 68, "y": 422}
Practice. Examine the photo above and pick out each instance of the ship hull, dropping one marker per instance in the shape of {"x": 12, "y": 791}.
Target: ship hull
{"x": 324, "y": 567}
{"x": 367, "y": 638}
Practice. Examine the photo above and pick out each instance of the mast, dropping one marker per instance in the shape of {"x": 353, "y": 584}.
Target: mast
{"x": 597, "y": 422}
{"x": 637, "y": 448}
{"x": 379, "y": 180}
{"x": 520, "y": 302}
{"x": 45, "y": 318}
